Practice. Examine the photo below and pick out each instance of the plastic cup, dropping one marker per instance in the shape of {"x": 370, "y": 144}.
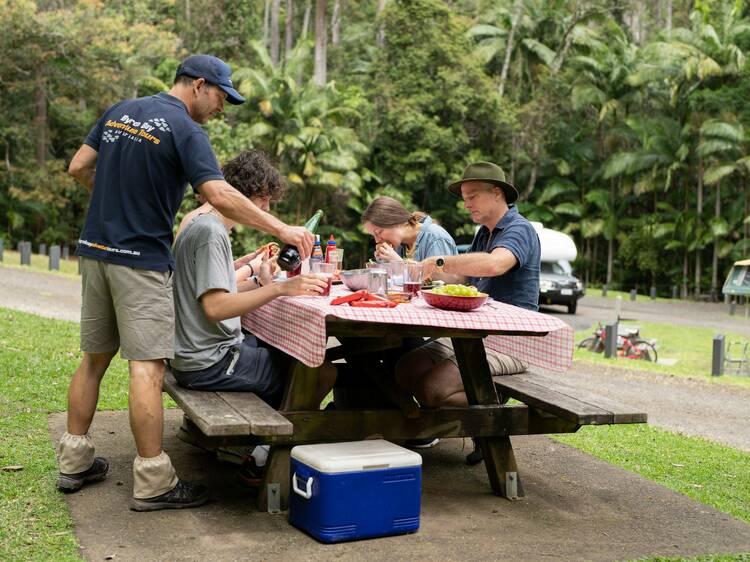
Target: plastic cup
{"x": 339, "y": 255}
{"x": 412, "y": 278}
{"x": 325, "y": 270}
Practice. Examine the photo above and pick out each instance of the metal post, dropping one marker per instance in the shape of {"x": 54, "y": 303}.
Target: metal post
{"x": 1, "y": 249}
{"x": 732, "y": 306}
{"x": 675, "y": 292}
{"x": 25, "y": 249}
{"x": 54, "y": 257}
{"x": 652, "y": 293}
{"x": 42, "y": 249}
{"x": 633, "y": 294}
{"x": 66, "y": 252}
{"x": 717, "y": 359}
{"x": 618, "y": 307}
{"x": 610, "y": 340}
{"x": 604, "y": 290}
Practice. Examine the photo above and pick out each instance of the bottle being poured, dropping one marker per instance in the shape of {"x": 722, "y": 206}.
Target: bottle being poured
{"x": 289, "y": 257}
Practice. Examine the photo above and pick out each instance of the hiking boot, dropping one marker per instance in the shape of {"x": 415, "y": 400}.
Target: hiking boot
{"x": 183, "y": 495}
{"x": 70, "y": 483}
{"x": 421, "y": 443}
{"x": 476, "y": 456}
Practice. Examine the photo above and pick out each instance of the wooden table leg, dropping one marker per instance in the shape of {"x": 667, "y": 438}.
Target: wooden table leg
{"x": 299, "y": 394}
{"x": 499, "y": 459}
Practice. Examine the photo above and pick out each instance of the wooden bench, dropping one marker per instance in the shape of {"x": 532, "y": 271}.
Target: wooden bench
{"x": 561, "y": 398}
{"x": 226, "y": 414}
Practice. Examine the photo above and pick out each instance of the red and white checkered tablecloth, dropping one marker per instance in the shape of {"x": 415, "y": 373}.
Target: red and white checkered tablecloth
{"x": 297, "y": 326}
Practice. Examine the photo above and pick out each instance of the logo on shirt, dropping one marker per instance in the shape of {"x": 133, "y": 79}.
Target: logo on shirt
{"x": 134, "y": 130}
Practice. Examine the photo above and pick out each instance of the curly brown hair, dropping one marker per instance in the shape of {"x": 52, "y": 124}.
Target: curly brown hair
{"x": 253, "y": 174}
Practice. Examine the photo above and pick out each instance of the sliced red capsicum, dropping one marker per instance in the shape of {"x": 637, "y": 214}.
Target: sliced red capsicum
{"x": 356, "y": 296}
{"x": 374, "y": 304}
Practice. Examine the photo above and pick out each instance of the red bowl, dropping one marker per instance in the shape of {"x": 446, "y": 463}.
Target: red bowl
{"x": 449, "y": 302}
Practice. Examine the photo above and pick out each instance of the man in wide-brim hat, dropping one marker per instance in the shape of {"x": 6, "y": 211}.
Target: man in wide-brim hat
{"x": 503, "y": 261}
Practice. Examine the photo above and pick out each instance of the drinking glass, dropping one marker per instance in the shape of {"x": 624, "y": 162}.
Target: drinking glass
{"x": 377, "y": 281}
{"x": 396, "y": 273}
{"x": 339, "y": 255}
{"x": 412, "y": 277}
{"x": 326, "y": 270}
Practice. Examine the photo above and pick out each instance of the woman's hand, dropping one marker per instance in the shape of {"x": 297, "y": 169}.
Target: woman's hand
{"x": 305, "y": 285}
{"x": 385, "y": 252}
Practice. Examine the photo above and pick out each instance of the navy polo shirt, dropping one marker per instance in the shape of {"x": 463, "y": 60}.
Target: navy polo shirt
{"x": 149, "y": 149}
{"x": 520, "y": 285}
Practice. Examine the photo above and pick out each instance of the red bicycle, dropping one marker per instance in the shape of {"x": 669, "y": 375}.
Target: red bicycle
{"x": 629, "y": 344}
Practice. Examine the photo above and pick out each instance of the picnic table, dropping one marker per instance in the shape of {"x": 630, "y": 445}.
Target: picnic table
{"x": 301, "y": 326}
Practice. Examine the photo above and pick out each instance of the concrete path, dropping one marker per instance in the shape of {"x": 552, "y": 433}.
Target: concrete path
{"x": 576, "y": 508}
{"x": 44, "y": 294}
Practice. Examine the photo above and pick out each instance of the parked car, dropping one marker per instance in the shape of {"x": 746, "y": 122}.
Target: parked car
{"x": 558, "y": 285}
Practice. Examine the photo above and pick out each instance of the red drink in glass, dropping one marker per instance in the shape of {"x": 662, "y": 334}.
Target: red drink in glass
{"x": 327, "y": 291}
{"x": 290, "y": 274}
{"x": 412, "y": 288}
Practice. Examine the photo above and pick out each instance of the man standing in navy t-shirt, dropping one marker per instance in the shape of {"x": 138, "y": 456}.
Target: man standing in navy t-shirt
{"x": 138, "y": 160}
{"x": 503, "y": 261}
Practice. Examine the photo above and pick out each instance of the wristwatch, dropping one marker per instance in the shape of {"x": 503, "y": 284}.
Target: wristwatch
{"x": 439, "y": 264}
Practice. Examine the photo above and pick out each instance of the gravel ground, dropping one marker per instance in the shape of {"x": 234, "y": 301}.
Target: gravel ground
{"x": 714, "y": 411}
{"x": 45, "y": 294}
{"x": 718, "y": 412}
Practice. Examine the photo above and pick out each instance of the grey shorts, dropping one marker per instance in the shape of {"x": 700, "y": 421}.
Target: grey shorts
{"x": 252, "y": 366}
{"x": 126, "y": 308}
{"x": 500, "y": 364}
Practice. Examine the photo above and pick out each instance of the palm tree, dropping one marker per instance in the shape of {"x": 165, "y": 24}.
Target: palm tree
{"x": 304, "y": 126}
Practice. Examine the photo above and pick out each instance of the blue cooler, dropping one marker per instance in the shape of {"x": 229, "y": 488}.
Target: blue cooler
{"x": 356, "y": 490}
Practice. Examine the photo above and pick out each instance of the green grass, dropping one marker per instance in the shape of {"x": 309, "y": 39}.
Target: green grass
{"x": 692, "y": 347}
{"x": 38, "y": 356}
{"x": 713, "y": 474}
{"x": 68, "y": 268}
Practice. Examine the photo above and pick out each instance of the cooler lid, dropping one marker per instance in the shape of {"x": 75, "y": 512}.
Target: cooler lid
{"x": 354, "y": 456}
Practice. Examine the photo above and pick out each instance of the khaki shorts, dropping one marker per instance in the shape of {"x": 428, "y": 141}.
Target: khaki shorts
{"x": 127, "y": 308}
{"x": 500, "y": 364}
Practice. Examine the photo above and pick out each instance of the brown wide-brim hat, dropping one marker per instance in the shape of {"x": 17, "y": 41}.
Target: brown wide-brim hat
{"x": 486, "y": 172}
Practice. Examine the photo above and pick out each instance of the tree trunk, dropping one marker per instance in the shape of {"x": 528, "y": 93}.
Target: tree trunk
{"x": 306, "y": 20}
{"x": 380, "y": 40}
{"x": 594, "y": 258}
{"x": 610, "y": 257}
{"x": 321, "y": 42}
{"x": 289, "y": 29}
{"x": 266, "y": 17}
{"x": 744, "y": 214}
{"x": 517, "y": 9}
{"x": 587, "y": 253}
{"x": 685, "y": 258}
{"x": 534, "y": 170}
{"x": 699, "y": 213}
{"x": 668, "y": 23}
{"x": 336, "y": 22}
{"x": 715, "y": 258}
{"x": 40, "y": 120}
{"x": 275, "y": 48}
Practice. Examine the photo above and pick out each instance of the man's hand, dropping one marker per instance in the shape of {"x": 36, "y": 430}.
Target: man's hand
{"x": 429, "y": 267}
{"x": 303, "y": 285}
{"x": 300, "y": 237}
{"x": 385, "y": 252}
{"x": 83, "y": 166}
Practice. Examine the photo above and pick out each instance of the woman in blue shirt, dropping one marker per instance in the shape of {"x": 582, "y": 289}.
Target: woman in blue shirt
{"x": 401, "y": 235}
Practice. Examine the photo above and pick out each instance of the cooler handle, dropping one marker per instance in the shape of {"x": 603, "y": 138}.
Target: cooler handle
{"x": 307, "y": 492}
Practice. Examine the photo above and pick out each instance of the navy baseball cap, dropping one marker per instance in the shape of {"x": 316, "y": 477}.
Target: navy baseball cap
{"x": 213, "y": 70}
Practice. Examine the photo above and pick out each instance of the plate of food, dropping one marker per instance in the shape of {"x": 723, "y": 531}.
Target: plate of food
{"x": 455, "y": 297}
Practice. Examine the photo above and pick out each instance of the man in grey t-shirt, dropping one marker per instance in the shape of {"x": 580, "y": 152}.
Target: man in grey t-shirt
{"x": 211, "y": 352}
